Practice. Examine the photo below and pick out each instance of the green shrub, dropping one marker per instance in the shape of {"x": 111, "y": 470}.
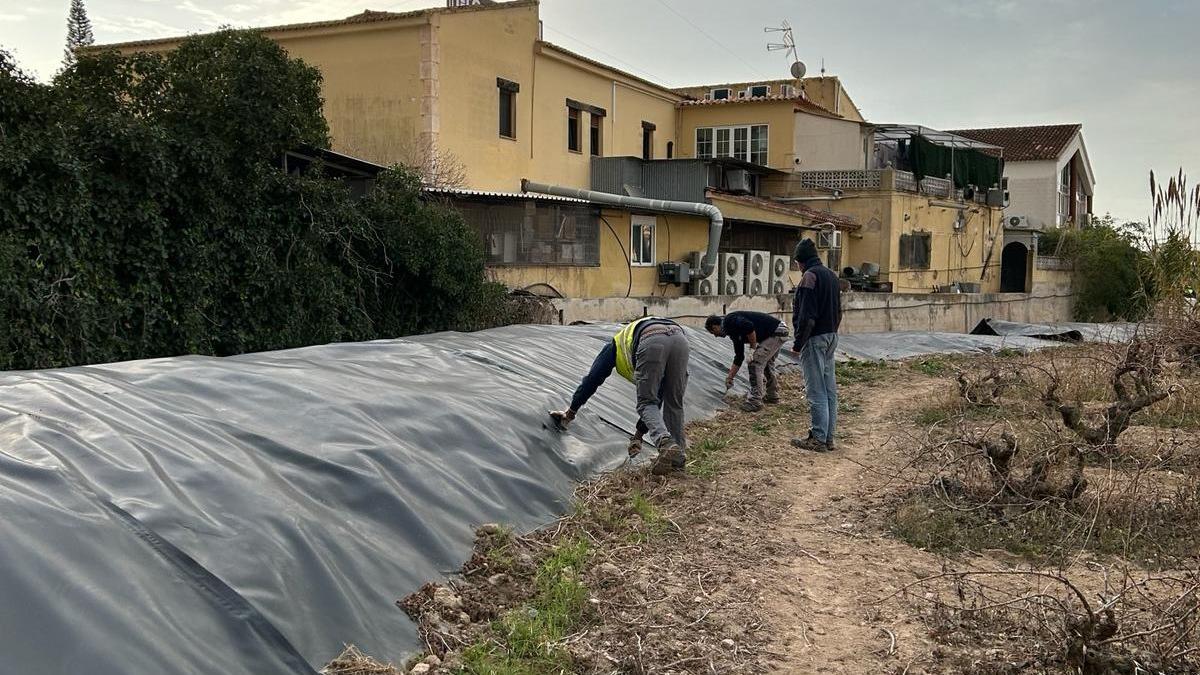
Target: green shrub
{"x": 143, "y": 213}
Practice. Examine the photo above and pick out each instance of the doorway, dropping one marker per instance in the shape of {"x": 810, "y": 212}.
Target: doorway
{"x": 1014, "y": 262}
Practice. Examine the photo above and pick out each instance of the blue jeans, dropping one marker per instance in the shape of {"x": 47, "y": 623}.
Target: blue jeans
{"x": 820, "y": 383}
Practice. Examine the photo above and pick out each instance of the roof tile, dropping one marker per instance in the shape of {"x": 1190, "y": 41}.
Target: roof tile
{"x": 1022, "y": 144}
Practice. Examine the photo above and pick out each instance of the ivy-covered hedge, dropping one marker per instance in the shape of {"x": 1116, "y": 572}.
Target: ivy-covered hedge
{"x": 143, "y": 213}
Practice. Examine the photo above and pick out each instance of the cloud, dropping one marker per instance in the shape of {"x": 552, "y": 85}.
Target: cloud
{"x": 135, "y": 26}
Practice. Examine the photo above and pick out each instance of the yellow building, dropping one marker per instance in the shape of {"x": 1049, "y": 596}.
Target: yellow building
{"x": 475, "y": 99}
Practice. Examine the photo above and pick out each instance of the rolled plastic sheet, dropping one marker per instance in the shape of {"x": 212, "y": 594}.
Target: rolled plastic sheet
{"x": 254, "y": 514}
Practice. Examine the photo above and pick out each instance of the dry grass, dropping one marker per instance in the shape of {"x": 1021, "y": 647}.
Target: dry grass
{"x": 353, "y": 662}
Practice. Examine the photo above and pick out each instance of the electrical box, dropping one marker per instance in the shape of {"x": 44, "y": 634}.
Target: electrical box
{"x": 677, "y": 273}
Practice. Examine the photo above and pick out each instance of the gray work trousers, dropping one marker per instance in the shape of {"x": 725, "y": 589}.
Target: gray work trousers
{"x": 660, "y": 373}
{"x": 762, "y": 366}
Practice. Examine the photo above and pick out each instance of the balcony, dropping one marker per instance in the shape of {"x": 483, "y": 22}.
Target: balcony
{"x": 884, "y": 179}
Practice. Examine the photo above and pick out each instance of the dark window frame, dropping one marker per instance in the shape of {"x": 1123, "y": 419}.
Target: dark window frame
{"x": 916, "y": 250}
{"x": 574, "y": 130}
{"x": 596, "y": 136}
{"x": 506, "y": 108}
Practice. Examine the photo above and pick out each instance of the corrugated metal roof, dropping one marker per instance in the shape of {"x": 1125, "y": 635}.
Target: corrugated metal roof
{"x": 524, "y": 196}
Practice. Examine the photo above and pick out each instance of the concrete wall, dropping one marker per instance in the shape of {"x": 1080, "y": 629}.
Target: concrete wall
{"x": 824, "y": 143}
{"x": 862, "y": 312}
{"x": 1033, "y": 190}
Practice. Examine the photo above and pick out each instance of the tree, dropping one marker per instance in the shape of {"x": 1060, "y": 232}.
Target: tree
{"x": 143, "y": 213}
{"x": 79, "y": 32}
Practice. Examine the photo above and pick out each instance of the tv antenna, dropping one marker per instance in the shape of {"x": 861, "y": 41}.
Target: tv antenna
{"x": 789, "y": 45}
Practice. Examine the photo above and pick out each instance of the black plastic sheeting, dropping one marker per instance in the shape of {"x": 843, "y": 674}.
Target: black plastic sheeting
{"x": 1039, "y": 331}
{"x": 253, "y": 514}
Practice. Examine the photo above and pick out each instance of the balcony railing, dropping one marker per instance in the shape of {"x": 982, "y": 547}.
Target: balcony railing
{"x": 873, "y": 179}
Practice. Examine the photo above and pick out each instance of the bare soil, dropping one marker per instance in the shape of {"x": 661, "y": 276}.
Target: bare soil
{"x": 772, "y": 559}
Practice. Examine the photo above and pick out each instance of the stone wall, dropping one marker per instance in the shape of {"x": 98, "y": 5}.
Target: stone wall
{"x": 862, "y": 312}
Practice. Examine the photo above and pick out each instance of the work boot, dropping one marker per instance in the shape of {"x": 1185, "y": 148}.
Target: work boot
{"x": 751, "y": 406}
{"x": 810, "y": 443}
{"x": 635, "y": 446}
{"x": 771, "y": 399}
{"x": 668, "y": 454}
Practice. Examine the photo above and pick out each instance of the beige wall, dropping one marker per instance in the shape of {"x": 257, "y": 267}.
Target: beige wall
{"x": 779, "y": 116}
{"x": 626, "y": 103}
{"x": 676, "y": 237}
{"x": 824, "y": 143}
{"x": 955, "y": 255}
{"x": 861, "y": 312}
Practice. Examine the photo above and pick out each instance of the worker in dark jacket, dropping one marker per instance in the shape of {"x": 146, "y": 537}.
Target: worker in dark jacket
{"x": 816, "y": 316}
{"x": 653, "y": 354}
{"x": 765, "y": 335}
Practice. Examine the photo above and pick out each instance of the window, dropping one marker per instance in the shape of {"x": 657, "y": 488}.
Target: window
{"x": 573, "y": 130}
{"x": 704, "y": 143}
{"x": 720, "y": 94}
{"x": 758, "y": 144}
{"x": 529, "y": 232}
{"x": 914, "y": 250}
{"x": 760, "y": 90}
{"x": 747, "y": 143}
{"x": 1064, "y": 194}
{"x": 596, "y": 135}
{"x": 641, "y": 240}
{"x": 723, "y": 135}
{"x": 670, "y": 149}
{"x": 508, "y": 107}
{"x": 648, "y": 140}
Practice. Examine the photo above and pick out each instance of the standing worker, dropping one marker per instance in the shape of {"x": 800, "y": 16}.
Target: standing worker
{"x": 816, "y": 316}
{"x": 653, "y": 354}
{"x": 765, "y": 334}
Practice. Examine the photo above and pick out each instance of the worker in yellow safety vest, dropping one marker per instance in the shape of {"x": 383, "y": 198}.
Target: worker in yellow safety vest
{"x": 652, "y": 353}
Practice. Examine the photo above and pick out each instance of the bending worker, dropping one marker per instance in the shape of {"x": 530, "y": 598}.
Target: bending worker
{"x": 765, "y": 334}
{"x": 653, "y": 354}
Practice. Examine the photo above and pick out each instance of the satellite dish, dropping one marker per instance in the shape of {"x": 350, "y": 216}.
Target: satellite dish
{"x": 798, "y": 70}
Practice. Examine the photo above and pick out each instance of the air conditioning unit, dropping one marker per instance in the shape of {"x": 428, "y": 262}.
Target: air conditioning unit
{"x": 780, "y": 266}
{"x": 829, "y": 239}
{"x": 738, "y": 181}
{"x": 733, "y": 274}
{"x": 707, "y": 286}
{"x": 758, "y": 272}
{"x": 1019, "y": 223}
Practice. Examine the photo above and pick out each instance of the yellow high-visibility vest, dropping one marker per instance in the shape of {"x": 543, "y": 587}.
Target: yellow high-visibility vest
{"x": 624, "y": 341}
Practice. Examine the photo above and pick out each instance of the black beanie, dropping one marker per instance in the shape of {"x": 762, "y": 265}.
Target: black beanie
{"x": 805, "y": 250}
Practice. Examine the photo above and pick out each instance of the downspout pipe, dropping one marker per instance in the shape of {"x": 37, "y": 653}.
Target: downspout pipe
{"x": 716, "y": 222}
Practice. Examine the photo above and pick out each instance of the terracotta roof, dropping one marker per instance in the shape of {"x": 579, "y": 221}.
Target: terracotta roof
{"x": 1023, "y": 144}
{"x": 802, "y": 105}
{"x": 799, "y": 210}
{"x": 366, "y": 16}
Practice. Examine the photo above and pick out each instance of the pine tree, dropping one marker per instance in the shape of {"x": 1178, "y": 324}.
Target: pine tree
{"x": 79, "y": 32}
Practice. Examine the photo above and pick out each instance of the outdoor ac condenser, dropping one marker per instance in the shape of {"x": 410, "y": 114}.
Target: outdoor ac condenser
{"x": 707, "y": 286}
{"x": 780, "y": 266}
{"x": 758, "y": 272}
{"x": 733, "y": 273}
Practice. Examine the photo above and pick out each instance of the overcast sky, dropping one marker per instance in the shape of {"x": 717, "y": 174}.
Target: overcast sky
{"x": 1126, "y": 69}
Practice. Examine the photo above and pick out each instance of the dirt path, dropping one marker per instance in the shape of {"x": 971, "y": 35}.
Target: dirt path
{"x": 843, "y": 561}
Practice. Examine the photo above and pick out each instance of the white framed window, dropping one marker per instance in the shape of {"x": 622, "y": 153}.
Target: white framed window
{"x": 747, "y": 143}
{"x": 704, "y": 143}
{"x": 760, "y": 90}
{"x": 642, "y": 237}
{"x": 720, "y": 94}
{"x": 1064, "y": 194}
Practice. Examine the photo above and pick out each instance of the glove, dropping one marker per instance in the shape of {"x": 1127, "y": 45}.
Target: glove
{"x": 562, "y": 418}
